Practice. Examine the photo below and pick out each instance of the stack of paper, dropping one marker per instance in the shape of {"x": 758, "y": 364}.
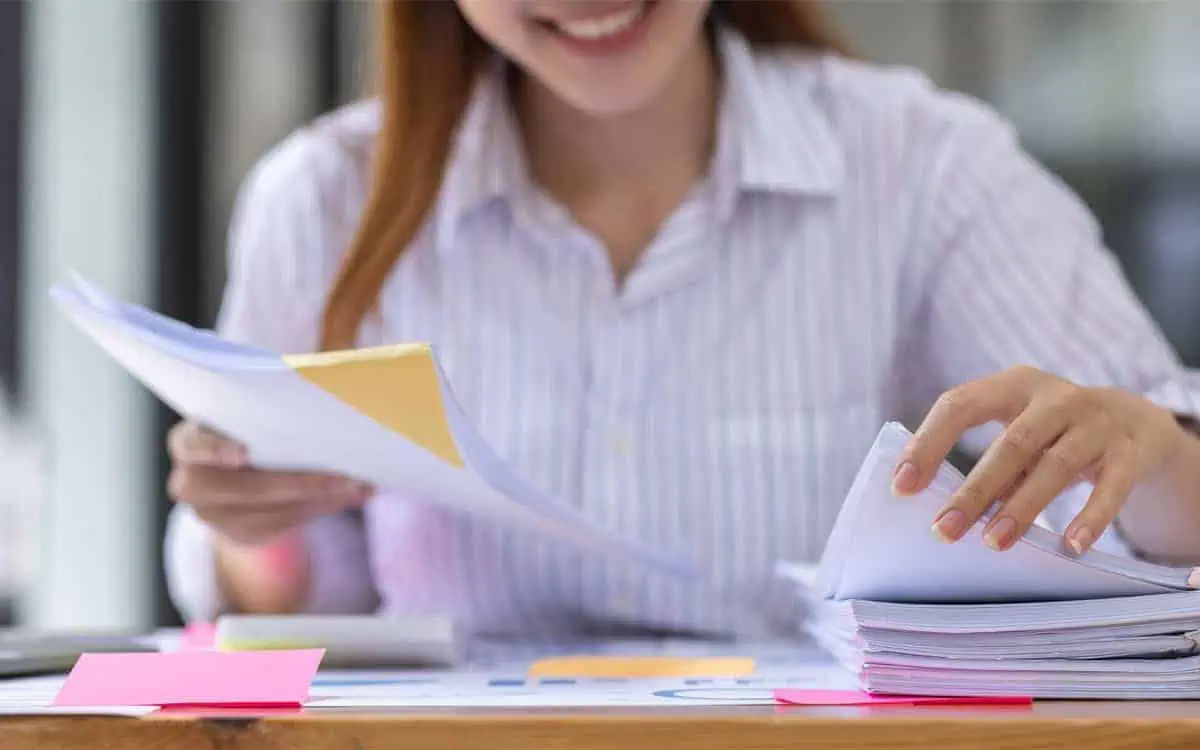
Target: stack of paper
{"x": 386, "y": 416}
{"x": 911, "y": 614}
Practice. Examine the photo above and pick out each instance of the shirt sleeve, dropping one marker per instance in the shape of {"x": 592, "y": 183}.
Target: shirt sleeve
{"x": 271, "y": 300}
{"x": 1016, "y": 273}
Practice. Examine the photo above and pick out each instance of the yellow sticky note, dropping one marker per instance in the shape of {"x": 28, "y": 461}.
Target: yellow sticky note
{"x": 397, "y": 386}
{"x": 641, "y": 667}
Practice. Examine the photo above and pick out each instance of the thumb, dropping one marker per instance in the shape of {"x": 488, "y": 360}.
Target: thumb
{"x": 191, "y": 442}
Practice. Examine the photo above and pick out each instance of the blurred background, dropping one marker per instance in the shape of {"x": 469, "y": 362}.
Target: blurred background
{"x": 126, "y": 127}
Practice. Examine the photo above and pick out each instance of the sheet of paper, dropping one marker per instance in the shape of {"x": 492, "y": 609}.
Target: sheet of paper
{"x": 881, "y": 548}
{"x": 13, "y": 710}
{"x": 194, "y": 678}
{"x": 33, "y": 696}
{"x": 1116, "y": 685}
{"x": 515, "y": 688}
{"x": 322, "y": 413}
{"x": 617, "y": 666}
{"x": 397, "y": 386}
{"x": 793, "y": 697}
{"x": 498, "y": 691}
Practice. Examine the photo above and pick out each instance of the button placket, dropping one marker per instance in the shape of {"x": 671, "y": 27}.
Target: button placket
{"x": 610, "y": 439}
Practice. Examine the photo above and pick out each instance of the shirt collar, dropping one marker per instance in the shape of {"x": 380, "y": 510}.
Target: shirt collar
{"x": 487, "y": 161}
{"x": 777, "y": 137}
{"x": 772, "y": 136}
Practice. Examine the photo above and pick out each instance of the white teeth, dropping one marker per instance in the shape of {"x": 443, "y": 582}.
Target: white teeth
{"x": 599, "y": 28}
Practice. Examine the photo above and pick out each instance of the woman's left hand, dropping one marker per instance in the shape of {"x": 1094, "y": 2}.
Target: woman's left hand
{"x": 1056, "y": 433}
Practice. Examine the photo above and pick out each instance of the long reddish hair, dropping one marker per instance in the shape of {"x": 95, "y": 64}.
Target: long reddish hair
{"x": 428, "y": 56}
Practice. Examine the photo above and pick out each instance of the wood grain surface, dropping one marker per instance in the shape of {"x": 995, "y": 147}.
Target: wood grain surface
{"x": 1093, "y": 726}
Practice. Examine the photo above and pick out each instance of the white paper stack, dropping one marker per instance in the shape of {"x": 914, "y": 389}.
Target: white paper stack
{"x": 289, "y": 421}
{"x": 911, "y": 614}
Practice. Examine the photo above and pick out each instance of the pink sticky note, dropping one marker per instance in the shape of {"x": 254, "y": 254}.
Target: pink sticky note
{"x": 192, "y": 678}
{"x": 229, "y": 712}
{"x": 199, "y": 635}
{"x": 859, "y": 698}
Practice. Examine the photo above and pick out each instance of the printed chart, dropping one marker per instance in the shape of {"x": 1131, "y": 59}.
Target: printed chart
{"x": 500, "y": 685}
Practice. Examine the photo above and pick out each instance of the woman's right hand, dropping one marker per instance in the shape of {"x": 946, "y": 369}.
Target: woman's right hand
{"x": 244, "y": 505}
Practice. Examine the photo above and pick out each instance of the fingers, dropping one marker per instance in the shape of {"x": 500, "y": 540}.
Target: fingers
{"x": 256, "y": 526}
{"x": 1001, "y": 397}
{"x": 189, "y": 442}
{"x": 1057, "y": 469}
{"x": 952, "y": 522}
{"x": 1057, "y": 434}
{"x": 245, "y": 505}
{"x": 1113, "y": 486}
{"x": 1001, "y": 469}
{"x": 210, "y": 485}
{"x": 251, "y": 507}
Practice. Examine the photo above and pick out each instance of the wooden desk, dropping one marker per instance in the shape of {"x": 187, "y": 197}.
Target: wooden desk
{"x": 1094, "y": 726}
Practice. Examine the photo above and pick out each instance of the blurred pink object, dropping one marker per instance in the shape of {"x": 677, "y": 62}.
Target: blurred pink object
{"x": 199, "y": 636}
{"x": 249, "y": 679}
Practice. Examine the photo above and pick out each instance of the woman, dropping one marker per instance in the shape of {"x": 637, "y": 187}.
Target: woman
{"x": 680, "y": 260}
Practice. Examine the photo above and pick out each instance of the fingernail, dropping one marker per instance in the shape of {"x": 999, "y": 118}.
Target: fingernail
{"x": 950, "y": 525}
{"x": 1194, "y": 578}
{"x": 999, "y": 535}
{"x": 905, "y": 478}
{"x": 231, "y": 455}
{"x": 1080, "y": 539}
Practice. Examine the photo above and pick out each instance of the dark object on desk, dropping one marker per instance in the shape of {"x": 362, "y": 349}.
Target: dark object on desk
{"x": 25, "y": 653}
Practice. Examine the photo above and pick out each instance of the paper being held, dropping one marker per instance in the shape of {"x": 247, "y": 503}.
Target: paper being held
{"x": 386, "y": 416}
{"x": 911, "y": 614}
{"x": 882, "y": 549}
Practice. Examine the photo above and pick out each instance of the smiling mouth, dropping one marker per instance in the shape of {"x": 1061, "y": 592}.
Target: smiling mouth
{"x": 601, "y": 27}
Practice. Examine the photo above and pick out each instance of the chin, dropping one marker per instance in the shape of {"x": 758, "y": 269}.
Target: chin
{"x": 607, "y": 103}
{"x": 624, "y": 71}
{"x": 618, "y": 89}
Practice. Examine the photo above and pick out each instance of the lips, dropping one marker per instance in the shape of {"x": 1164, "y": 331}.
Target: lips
{"x": 604, "y": 23}
{"x": 601, "y": 26}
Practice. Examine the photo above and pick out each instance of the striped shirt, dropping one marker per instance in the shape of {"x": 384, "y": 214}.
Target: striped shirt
{"x": 862, "y": 242}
